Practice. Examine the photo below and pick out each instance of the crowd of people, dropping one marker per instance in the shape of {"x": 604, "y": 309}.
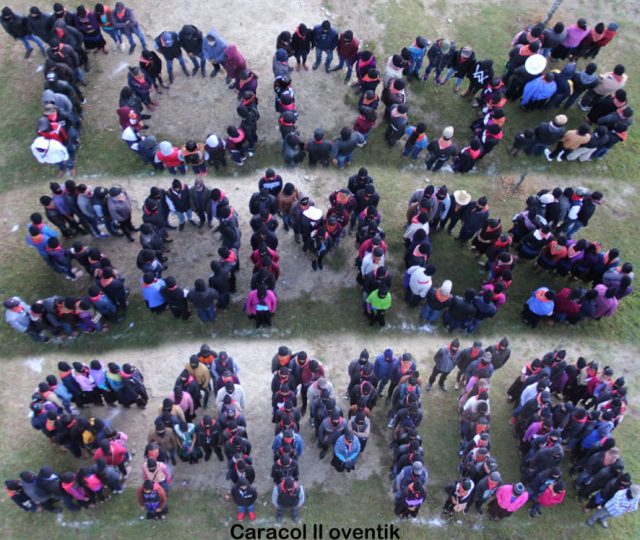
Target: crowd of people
{"x": 590, "y": 403}
{"x": 55, "y": 407}
{"x": 532, "y": 75}
{"x": 559, "y": 407}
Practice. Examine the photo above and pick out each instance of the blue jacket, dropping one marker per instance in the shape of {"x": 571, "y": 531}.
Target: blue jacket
{"x": 539, "y": 307}
{"x": 382, "y": 369}
{"x": 214, "y": 53}
{"x": 41, "y": 247}
{"x": 298, "y": 443}
{"x": 538, "y": 90}
{"x": 417, "y": 54}
{"x": 341, "y": 451}
{"x": 151, "y": 293}
{"x": 325, "y": 41}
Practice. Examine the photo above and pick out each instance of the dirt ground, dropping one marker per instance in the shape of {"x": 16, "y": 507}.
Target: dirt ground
{"x": 254, "y": 359}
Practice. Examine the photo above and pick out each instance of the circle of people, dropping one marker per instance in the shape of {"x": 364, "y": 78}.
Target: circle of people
{"x": 542, "y": 233}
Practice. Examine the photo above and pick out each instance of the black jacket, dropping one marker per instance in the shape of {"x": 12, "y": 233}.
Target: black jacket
{"x": 461, "y": 310}
{"x": 204, "y": 299}
{"x": 169, "y": 52}
{"x": 41, "y": 26}
{"x": 191, "y": 39}
{"x": 548, "y": 133}
{"x": 16, "y": 27}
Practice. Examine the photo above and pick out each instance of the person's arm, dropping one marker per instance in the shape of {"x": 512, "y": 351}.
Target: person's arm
{"x": 163, "y": 499}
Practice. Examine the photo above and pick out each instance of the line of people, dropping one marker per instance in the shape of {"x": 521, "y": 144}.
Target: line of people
{"x": 409, "y": 474}
{"x": 591, "y": 403}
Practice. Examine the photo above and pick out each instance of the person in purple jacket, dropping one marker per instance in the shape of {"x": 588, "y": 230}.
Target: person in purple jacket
{"x": 606, "y": 302}
{"x": 575, "y": 34}
{"x": 125, "y": 21}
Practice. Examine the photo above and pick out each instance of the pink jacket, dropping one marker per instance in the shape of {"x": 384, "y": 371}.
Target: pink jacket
{"x": 186, "y": 403}
{"x": 270, "y": 299}
{"x": 506, "y": 502}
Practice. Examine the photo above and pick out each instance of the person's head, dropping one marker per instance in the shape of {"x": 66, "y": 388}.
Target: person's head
{"x": 619, "y": 70}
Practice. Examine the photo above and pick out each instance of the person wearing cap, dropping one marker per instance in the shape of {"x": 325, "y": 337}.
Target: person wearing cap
{"x": 17, "y": 26}
{"x": 398, "y": 122}
{"x": 288, "y": 494}
{"x": 509, "y": 498}
{"x": 318, "y": 149}
{"x": 459, "y": 497}
{"x": 382, "y": 369}
{"x": 125, "y": 22}
{"x": 623, "y": 501}
{"x": 474, "y": 220}
{"x": 440, "y": 150}
{"x": 438, "y": 300}
{"x": 445, "y": 359}
{"x": 377, "y": 304}
{"x": 439, "y": 54}
{"x": 244, "y": 496}
{"x": 547, "y": 134}
{"x": 417, "y": 50}
{"x": 461, "y": 65}
{"x": 168, "y": 44}
{"x": 325, "y": 39}
{"x": 348, "y": 46}
{"x": 343, "y": 147}
{"x": 346, "y": 450}
{"x": 153, "y": 500}
{"x": 17, "y": 314}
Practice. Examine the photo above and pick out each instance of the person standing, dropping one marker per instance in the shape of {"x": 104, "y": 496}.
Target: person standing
{"x": 325, "y": 39}
{"x": 153, "y": 500}
{"x": 119, "y": 206}
{"x": 125, "y": 21}
{"x": 623, "y": 501}
{"x": 301, "y": 43}
{"x": 445, "y": 360}
{"x": 168, "y": 44}
{"x": 191, "y": 41}
{"x": 440, "y": 150}
{"x": 203, "y": 298}
{"x": 346, "y": 450}
{"x": 16, "y": 26}
{"x": 288, "y": 494}
{"x": 347, "y": 52}
{"x": 244, "y": 496}
{"x": 509, "y": 498}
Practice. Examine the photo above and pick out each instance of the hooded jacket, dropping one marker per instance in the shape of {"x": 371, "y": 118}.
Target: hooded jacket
{"x": 214, "y": 53}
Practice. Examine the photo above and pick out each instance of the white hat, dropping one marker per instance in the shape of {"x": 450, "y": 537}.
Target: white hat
{"x": 462, "y": 197}
{"x": 445, "y": 288}
{"x": 447, "y": 132}
{"x": 165, "y": 148}
{"x": 582, "y": 191}
{"x": 547, "y": 198}
{"x": 313, "y": 213}
{"x": 535, "y": 64}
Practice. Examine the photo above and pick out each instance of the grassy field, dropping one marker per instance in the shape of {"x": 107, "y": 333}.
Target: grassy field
{"x": 489, "y": 28}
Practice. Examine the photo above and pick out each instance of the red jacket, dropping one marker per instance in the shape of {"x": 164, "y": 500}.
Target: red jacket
{"x": 118, "y": 454}
{"x": 349, "y": 50}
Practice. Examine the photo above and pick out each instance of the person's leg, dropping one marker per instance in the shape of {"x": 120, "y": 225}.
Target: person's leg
{"x": 449, "y": 74}
{"x": 170, "y": 72}
{"x": 38, "y": 42}
{"x": 443, "y": 378}
{"x": 183, "y": 65}
{"x": 438, "y": 164}
{"x": 328, "y": 60}
{"x": 316, "y": 64}
{"x": 415, "y": 153}
{"x": 457, "y": 84}
{"x": 432, "y": 377}
{"x": 599, "y": 515}
{"x": 350, "y": 65}
{"x": 140, "y": 35}
{"x": 574, "y": 228}
{"x": 429, "y": 161}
